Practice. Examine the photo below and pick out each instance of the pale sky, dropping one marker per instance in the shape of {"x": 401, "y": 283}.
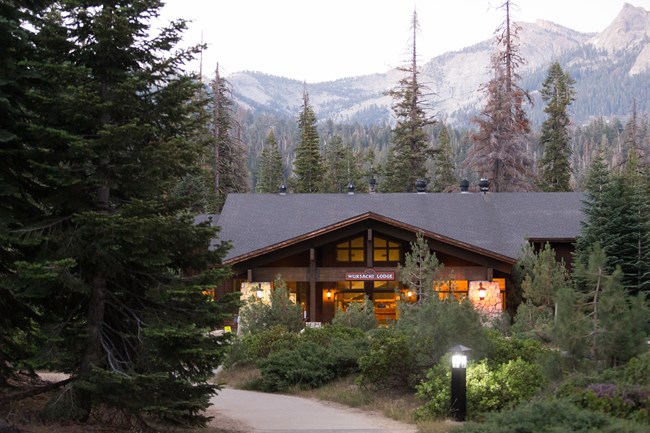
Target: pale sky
{"x": 322, "y": 40}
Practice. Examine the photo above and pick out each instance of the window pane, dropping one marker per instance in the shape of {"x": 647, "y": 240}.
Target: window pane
{"x": 393, "y": 255}
{"x": 393, "y": 245}
{"x": 356, "y": 256}
{"x": 357, "y": 242}
{"x": 342, "y": 255}
{"x": 379, "y": 242}
{"x": 380, "y": 255}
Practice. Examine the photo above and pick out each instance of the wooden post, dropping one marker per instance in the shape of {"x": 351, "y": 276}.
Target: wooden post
{"x": 369, "y": 251}
{"x": 312, "y": 285}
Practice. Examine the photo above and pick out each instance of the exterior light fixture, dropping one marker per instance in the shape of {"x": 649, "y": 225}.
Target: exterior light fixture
{"x": 459, "y": 382}
{"x": 259, "y": 291}
{"x": 481, "y": 291}
{"x": 409, "y": 294}
{"x": 329, "y": 294}
{"x": 484, "y": 185}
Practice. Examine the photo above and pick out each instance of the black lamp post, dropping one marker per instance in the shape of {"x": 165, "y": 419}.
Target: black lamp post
{"x": 459, "y": 382}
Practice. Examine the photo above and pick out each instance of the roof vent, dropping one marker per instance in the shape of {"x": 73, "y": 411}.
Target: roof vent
{"x": 421, "y": 186}
{"x": 464, "y": 186}
{"x": 350, "y": 188}
{"x": 373, "y": 185}
{"x": 283, "y": 189}
{"x": 484, "y": 185}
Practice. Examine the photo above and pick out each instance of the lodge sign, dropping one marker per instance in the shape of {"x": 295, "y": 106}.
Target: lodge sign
{"x": 370, "y": 275}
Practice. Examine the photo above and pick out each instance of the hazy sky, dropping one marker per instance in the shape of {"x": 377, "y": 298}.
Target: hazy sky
{"x": 321, "y": 40}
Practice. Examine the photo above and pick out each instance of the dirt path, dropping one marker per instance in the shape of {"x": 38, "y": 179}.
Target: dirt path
{"x": 248, "y": 411}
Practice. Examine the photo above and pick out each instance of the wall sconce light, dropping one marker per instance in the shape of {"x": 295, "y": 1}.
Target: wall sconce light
{"x": 259, "y": 291}
{"x": 481, "y": 292}
{"x": 329, "y": 294}
{"x": 409, "y": 294}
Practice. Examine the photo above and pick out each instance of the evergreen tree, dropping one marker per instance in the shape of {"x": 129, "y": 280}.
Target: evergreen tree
{"x": 19, "y": 190}
{"x": 616, "y": 321}
{"x": 500, "y": 147}
{"x": 229, "y": 169}
{"x": 616, "y": 216}
{"x": 308, "y": 165}
{"x": 114, "y": 128}
{"x": 422, "y": 271}
{"x": 443, "y": 162}
{"x": 554, "y": 167}
{"x": 544, "y": 278}
{"x": 337, "y": 169}
{"x": 406, "y": 162}
{"x": 270, "y": 174}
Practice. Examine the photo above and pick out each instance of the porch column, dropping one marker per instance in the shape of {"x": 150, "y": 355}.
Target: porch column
{"x": 369, "y": 250}
{"x": 312, "y": 285}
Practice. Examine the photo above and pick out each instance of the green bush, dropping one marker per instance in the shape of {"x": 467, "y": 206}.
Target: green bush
{"x": 251, "y": 348}
{"x": 434, "y": 326}
{"x": 550, "y": 416}
{"x": 307, "y": 365}
{"x": 257, "y": 316}
{"x": 389, "y": 362}
{"x": 622, "y": 392}
{"x": 359, "y": 315}
{"x": 489, "y": 388}
{"x": 345, "y": 345}
{"x": 503, "y": 349}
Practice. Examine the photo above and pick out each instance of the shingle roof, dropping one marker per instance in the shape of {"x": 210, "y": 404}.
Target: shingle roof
{"x": 497, "y": 222}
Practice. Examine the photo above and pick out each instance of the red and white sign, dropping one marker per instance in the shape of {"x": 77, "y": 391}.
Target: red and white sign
{"x": 370, "y": 275}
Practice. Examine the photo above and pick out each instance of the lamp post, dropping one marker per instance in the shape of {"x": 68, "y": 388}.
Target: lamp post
{"x": 459, "y": 382}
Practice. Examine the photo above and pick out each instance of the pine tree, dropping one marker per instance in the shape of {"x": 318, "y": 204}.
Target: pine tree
{"x": 19, "y": 190}
{"x": 270, "y": 174}
{"x": 229, "y": 170}
{"x": 554, "y": 167}
{"x": 407, "y": 158}
{"x": 443, "y": 163}
{"x": 114, "y": 128}
{"x": 500, "y": 148}
{"x": 544, "y": 278}
{"x": 422, "y": 270}
{"x": 308, "y": 165}
{"x": 616, "y": 320}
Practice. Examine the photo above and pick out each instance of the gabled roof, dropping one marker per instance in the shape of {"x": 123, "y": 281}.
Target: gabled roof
{"x": 494, "y": 222}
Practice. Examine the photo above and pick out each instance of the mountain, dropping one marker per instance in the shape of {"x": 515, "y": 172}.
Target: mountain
{"x": 611, "y": 69}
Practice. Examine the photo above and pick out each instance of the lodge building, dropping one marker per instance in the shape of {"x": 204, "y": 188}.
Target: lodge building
{"x": 334, "y": 249}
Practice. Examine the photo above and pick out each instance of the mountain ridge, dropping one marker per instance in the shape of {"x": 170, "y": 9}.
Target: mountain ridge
{"x": 455, "y": 77}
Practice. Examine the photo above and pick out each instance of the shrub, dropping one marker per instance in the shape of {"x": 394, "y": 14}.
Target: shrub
{"x": 488, "y": 388}
{"x": 345, "y": 345}
{"x": 250, "y": 348}
{"x": 434, "y": 326}
{"x": 359, "y": 315}
{"x": 550, "y": 416}
{"x": 256, "y": 315}
{"x": 307, "y": 365}
{"x": 389, "y": 361}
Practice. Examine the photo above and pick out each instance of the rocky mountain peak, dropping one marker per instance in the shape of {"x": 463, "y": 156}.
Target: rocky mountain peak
{"x": 630, "y": 30}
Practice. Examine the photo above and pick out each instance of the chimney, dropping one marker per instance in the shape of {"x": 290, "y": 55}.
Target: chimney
{"x": 484, "y": 185}
{"x": 283, "y": 189}
{"x": 421, "y": 186}
{"x": 464, "y": 186}
{"x": 350, "y": 188}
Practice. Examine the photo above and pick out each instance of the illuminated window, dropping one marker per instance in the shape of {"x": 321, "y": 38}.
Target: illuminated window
{"x": 351, "y": 251}
{"x": 385, "y": 251}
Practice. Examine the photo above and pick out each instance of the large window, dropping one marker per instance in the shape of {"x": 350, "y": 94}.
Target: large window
{"x": 351, "y": 251}
{"x": 385, "y": 250}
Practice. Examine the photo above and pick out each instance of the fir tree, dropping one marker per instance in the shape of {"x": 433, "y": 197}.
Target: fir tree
{"x": 229, "y": 170}
{"x": 270, "y": 174}
{"x": 308, "y": 165}
{"x": 407, "y": 158}
{"x": 554, "y": 166}
{"x": 114, "y": 128}
{"x": 499, "y": 149}
{"x": 443, "y": 163}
